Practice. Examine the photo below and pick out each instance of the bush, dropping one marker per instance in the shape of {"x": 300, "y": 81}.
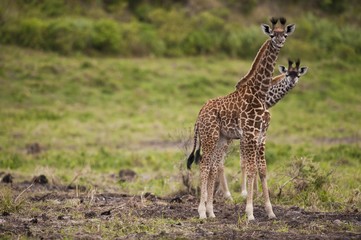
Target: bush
{"x": 326, "y": 38}
{"x": 172, "y": 32}
{"x": 172, "y": 28}
{"x": 66, "y": 35}
{"x": 106, "y": 36}
{"x": 308, "y": 184}
{"x": 31, "y": 33}
{"x": 207, "y": 35}
{"x": 141, "y": 40}
{"x": 243, "y": 42}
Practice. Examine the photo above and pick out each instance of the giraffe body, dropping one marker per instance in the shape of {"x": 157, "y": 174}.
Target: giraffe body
{"x": 240, "y": 115}
{"x": 280, "y": 86}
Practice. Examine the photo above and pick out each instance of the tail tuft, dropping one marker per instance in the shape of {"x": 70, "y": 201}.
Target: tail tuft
{"x": 190, "y": 160}
{"x": 198, "y": 156}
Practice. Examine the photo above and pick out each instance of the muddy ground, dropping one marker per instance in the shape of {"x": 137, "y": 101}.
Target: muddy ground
{"x": 48, "y": 211}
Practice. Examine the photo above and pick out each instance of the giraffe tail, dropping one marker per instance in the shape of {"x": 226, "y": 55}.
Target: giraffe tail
{"x": 197, "y": 156}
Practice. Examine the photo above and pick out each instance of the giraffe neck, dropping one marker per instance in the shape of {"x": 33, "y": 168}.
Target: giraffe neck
{"x": 261, "y": 81}
{"x": 280, "y": 86}
{"x": 260, "y": 54}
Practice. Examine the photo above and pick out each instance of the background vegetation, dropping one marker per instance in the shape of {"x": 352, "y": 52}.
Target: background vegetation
{"x": 178, "y": 28}
{"x": 89, "y": 83}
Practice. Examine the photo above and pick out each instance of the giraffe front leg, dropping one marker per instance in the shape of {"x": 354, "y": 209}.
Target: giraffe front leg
{"x": 262, "y": 167}
{"x": 262, "y": 170}
{"x": 249, "y": 204}
{"x": 249, "y": 153}
{"x": 244, "y": 178}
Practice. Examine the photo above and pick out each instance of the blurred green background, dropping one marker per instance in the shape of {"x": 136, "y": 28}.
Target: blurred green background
{"x": 90, "y": 87}
{"x": 325, "y": 28}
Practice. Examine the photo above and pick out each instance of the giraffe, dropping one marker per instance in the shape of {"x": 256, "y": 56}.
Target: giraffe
{"x": 242, "y": 115}
{"x": 280, "y": 86}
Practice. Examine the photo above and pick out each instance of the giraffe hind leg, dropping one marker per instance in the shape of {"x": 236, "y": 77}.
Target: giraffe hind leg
{"x": 204, "y": 174}
{"x": 221, "y": 175}
{"x": 218, "y": 157}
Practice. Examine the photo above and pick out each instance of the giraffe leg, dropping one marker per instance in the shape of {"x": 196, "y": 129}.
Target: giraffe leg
{"x": 210, "y": 141}
{"x": 210, "y": 190}
{"x": 221, "y": 175}
{"x": 204, "y": 169}
{"x": 255, "y": 184}
{"x": 262, "y": 167}
{"x": 249, "y": 153}
{"x": 244, "y": 178}
{"x": 223, "y": 183}
{"x": 244, "y": 181}
{"x": 218, "y": 158}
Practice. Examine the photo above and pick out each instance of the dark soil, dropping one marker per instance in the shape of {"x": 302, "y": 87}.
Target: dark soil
{"x": 53, "y": 212}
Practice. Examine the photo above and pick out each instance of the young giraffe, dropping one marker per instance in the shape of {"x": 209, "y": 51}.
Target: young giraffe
{"x": 280, "y": 86}
{"x": 240, "y": 115}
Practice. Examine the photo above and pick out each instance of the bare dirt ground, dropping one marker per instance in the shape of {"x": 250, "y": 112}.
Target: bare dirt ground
{"x": 53, "y": 212}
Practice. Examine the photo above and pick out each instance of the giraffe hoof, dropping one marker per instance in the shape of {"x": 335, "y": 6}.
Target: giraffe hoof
{"x": 228, "y": 196}
{"x": 251, "y": 218}
{"x": 272, "y": 216}
{"x": 244, "y": 194}
{"x": 202, "y": 216}
{"x": 230, "y": 199}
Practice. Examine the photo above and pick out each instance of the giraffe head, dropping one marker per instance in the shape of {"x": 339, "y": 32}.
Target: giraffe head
{"x": 278, "y": 34}
{"x": 293, "y": 73}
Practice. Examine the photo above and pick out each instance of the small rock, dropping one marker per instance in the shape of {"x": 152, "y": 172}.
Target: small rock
{"x": 126, "y": 175}
{"x": 62, "y": 217}
{"x": 2, "y": 221}
{"x": 41, "y": 179}
{"x": 7, "y": 178}
{"x": 150, "y": 196}
{"x": 337, "y": 222}
{"x": 34, "y": 220}
{"x": 106, "y": 213}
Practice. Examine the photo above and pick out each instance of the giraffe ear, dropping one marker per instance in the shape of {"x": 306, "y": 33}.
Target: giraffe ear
{"x": 290, "y": 29}
{"x": 282, "y": 69}
{"x": 303, "y": 70}
{"x": 266, "y": 29}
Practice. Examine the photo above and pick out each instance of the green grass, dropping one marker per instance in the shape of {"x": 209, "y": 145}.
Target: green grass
{"x": 95, "y": 116}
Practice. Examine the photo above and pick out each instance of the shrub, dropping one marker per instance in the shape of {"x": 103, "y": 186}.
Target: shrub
{"x": 9, "y": 33}
{"x": 106, "y": 36}
{"x": 141, "y": 40}
{"x": 243, "y": 42}
{"x": 31, "y": 33}
{"x": 172, "y": 27}
{"x": 308, "y": 184}
{"x": 207, "y": 35}
{"x": 65, "y": 35}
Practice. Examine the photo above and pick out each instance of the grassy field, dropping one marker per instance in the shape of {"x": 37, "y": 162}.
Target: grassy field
{"x": 92, "y": 117}
{"x": 105, "y": 114}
